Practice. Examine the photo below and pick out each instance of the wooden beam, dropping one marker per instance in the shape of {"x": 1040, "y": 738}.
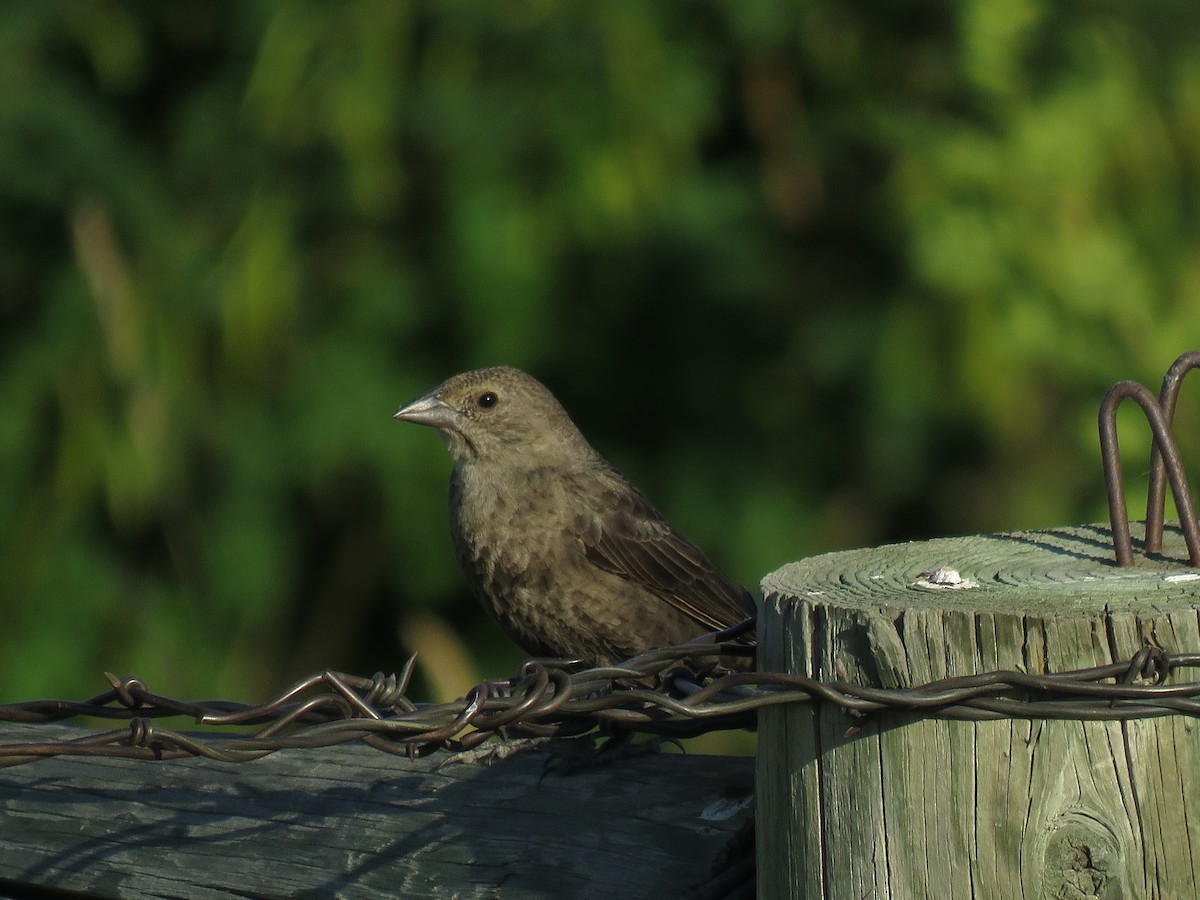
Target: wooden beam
{"x": 354, "y": 822}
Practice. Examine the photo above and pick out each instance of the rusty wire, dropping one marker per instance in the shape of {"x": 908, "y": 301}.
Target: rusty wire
{"x": 1165, "y": 464}
{"x": 655, "y": 693}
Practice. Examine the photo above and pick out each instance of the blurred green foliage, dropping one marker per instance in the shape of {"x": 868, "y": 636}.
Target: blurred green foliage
{"x": 816, "y": 275}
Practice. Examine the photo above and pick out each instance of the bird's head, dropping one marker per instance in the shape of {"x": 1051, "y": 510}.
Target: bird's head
{"x": 500, "y": 415}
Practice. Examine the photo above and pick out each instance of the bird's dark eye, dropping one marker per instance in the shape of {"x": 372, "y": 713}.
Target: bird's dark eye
{"x": 487, "y": 400}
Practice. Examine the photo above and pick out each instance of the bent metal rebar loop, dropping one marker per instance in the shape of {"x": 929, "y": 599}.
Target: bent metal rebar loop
{"x": 1165, "y": 464}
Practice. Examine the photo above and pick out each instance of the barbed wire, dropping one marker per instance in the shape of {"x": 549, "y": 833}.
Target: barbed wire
{"x": 662, "y": 692}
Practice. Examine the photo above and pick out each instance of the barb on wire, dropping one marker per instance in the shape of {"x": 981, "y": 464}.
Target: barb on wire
{"x": 654, "y": 693}
{"x": 1165, "y": 464}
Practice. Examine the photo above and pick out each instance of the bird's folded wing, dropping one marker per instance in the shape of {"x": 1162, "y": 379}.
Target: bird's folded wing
{"x": 635, "y": 543}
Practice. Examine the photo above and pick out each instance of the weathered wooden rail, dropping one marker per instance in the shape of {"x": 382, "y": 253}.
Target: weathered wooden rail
{"x": 353, "y": 822}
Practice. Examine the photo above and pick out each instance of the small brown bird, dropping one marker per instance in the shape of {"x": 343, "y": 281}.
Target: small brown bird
{"x": 568, "y": 556}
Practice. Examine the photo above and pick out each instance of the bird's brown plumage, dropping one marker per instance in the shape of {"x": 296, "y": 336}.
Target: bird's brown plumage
{"x": 569, "y": 557}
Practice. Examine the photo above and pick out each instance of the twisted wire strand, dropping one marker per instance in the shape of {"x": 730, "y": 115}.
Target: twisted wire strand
{"x": 654, "y": 693}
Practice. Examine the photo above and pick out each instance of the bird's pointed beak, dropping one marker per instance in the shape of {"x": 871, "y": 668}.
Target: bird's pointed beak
{"x": 429, "y": 410}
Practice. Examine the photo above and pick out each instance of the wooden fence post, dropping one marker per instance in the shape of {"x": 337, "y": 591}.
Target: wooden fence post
{"x": 902, "y": 806}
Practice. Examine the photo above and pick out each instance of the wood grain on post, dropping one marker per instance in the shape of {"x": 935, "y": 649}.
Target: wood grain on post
{"x": 904, "y": 806}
